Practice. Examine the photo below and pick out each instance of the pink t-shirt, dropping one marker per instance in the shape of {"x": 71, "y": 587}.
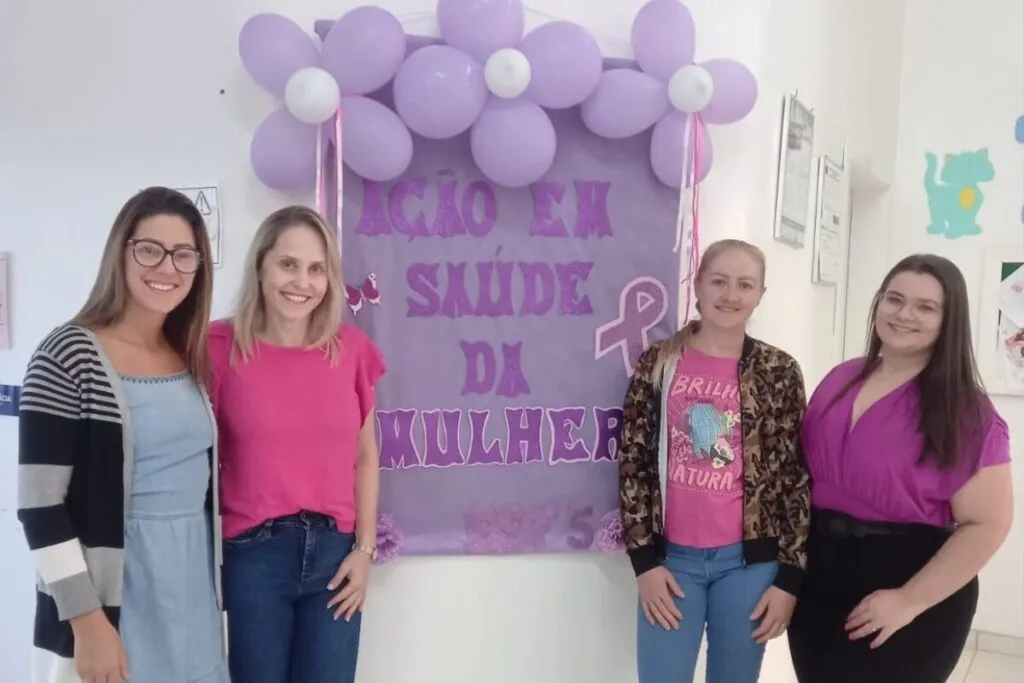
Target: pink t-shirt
{"x": 704, "y": 489}
{"x": 289, "y": 426}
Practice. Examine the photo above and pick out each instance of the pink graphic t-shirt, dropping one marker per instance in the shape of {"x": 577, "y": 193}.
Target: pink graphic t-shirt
{"x": 704, "y": 486}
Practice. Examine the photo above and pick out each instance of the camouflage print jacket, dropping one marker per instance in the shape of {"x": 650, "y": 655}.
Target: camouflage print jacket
{"x": 776, "y": 487}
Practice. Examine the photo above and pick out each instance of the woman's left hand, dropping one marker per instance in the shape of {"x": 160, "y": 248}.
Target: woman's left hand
{"x": 354, "y": 572}
{"x": 883, "y": 612}
{"x": 774, "y": 609}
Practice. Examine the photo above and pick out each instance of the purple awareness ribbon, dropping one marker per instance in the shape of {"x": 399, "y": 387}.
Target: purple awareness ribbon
{"x": 643, "y": 304}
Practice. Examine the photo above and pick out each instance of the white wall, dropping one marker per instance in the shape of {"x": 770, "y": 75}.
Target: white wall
{"x": 843, "y": 61}
{"x": 97, "y": 104}
{"x": 962, "y": 88}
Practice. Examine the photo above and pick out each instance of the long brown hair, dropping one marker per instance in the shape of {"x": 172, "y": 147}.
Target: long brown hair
{"x": 186, "y": 326}
{"x": 250, "y": 314}
{"x": 673, "y": 346}
{"x": 952, "y": 399}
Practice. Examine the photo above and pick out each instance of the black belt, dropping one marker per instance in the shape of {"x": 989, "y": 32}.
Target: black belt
{"x": 839, "y": 525}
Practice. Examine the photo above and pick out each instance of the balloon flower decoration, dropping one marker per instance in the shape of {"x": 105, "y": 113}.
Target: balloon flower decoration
{"x": 677, "y": 97}
{"x": 671, "y": 93}
{"x": 491, "y": 80}
{"x": 488, "y": 78}
{"x": 361, "y": 53}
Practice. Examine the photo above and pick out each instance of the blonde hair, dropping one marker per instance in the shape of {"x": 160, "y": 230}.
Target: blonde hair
{"x": 674, "y": 345}
{"x": 186, "y": 327}
{"x": 250, "y": 313}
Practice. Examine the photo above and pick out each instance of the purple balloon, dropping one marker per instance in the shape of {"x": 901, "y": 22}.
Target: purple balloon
{"x": 664, "y": 38}
{"x": 513, "y": 142}
{"x": 273, "y": 48}
{"x": 439, "y": 91}
{"x": 625, "y": 103}
{"x": 565, "y": 64}
{"x": 283, "y": 152}
{"x": 377, "y": 145}
{"x": 480, "y": 27}
{"x": 364, "y": 49}
{"x": 735, "y": 91}
{"x": 670, "y": 148}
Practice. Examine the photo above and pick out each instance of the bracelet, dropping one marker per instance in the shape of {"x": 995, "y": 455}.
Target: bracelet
{"x": 366, "y": 550}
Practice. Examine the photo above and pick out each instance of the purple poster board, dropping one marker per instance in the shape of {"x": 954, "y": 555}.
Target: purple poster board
{"x": 509, "y": 320}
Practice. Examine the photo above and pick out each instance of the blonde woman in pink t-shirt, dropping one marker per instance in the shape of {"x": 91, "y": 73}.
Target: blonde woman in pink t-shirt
{"x": 714, "y": 494}
{"x": 293, "y": 391}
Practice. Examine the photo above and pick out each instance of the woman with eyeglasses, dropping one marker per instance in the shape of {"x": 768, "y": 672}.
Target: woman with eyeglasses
{"x": 912, "y": 491}
{"x": 117, "y": 464}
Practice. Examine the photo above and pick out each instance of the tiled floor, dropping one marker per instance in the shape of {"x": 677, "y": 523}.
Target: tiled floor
{"x": 975, "y": 666}
{"x": 988, "y": 667}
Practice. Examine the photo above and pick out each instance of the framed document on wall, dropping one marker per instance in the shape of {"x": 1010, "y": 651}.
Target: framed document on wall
{"x": 796, "y": 173}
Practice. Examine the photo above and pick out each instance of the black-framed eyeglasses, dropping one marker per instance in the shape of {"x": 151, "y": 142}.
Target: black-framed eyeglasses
{"x": 150, "y": 254}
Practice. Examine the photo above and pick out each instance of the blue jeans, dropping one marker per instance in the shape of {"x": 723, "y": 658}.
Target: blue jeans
{"x": 275, "y": 592}
{"x": 721, "y": 592}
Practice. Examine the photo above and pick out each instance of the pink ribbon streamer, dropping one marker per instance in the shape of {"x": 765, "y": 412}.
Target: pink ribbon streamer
{"x": 338, "y": 176}
{"x": 320, "y": 170}
{"x": 691, "y": 173}
{"x": 321, "y": 176}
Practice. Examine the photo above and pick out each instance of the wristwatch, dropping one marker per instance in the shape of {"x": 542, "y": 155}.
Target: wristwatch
{"x": 367, "y": 549}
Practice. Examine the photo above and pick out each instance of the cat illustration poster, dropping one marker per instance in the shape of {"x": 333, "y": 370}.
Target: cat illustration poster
{"x": 954, "y": 192}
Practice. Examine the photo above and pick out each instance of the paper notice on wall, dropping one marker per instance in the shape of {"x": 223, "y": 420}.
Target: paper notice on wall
{"x": 829, "y": 254}
{"x": 796, "y": 166}
{"x": 207, "y": 200}
{"x": 5, "y": 299}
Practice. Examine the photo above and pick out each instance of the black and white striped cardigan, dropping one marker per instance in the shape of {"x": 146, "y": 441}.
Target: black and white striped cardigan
{"x": 74, "y": 484}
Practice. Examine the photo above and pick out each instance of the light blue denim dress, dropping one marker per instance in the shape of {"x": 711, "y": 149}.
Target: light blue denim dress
{"x": 170, "y": 624}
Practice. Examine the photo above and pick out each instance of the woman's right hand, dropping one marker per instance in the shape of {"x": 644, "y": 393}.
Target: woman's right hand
{"x": 657, "y": 588}
{"x": 99, "y": 653}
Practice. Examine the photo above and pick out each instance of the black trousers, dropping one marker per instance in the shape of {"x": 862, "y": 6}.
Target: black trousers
{"x": 841, "y": 572}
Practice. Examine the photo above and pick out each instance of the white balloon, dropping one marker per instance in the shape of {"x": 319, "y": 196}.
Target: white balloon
{"x": 690, "y": 89}
{"x": 312, "y": 95}
{"x": 507, "y": 73}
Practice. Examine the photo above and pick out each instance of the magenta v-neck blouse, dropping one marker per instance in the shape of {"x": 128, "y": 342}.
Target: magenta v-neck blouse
{"x": 871, "y": 471}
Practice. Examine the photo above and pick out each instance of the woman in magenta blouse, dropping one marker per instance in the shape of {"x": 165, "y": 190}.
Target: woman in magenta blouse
{"x": 911, "y": 492}
{"x": 293, "y": 392}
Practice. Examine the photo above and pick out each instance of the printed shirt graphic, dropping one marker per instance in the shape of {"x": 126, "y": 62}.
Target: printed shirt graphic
{"x": 704, "y": 506}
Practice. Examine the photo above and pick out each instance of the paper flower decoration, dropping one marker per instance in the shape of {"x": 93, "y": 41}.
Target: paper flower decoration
{"x": 610, "y": 537}
{"x": 389, "y": 539}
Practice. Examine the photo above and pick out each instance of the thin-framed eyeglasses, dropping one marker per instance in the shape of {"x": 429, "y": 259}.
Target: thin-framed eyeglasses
{"x": 895, "y": 303}
{"x": 150, "y": 254}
